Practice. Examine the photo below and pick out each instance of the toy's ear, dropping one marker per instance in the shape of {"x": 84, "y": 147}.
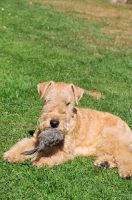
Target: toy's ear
{"x": 43, "y": 87}
{"x": 78, "y": 92}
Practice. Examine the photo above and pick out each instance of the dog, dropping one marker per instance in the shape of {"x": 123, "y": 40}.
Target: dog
{"x": 86, "y": 132}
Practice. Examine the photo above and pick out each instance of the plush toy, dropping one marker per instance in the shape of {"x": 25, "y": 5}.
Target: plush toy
{"x": 49, "y": 137}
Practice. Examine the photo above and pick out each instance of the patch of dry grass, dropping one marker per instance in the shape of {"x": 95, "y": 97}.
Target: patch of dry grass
{"x": 117, "y": 18}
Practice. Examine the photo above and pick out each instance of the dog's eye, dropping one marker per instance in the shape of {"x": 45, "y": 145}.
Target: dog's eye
{"x": 68, "y": 103}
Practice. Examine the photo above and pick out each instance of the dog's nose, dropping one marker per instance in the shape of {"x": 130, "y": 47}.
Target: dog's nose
{"x": 54, "y": 123}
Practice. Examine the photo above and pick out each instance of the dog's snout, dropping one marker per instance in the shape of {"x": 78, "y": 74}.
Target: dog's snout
{"x": 54, "y": 123}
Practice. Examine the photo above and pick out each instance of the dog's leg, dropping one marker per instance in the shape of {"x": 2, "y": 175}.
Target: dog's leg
{"x": 15, "y": 153}
{"x": 105, "y": 161}
{"x": 116, "y": 142}
{"x": 51, "y": 156}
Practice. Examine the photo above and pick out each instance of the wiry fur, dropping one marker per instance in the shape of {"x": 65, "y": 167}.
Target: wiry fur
{"x": 86, "y": 132}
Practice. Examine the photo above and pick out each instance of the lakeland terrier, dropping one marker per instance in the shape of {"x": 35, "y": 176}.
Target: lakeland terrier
{"x": 86, "y": 132}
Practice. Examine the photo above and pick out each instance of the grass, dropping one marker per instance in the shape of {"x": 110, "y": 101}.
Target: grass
{"x": 84, "y": 42}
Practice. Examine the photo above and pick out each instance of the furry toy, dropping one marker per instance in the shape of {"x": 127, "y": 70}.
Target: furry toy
{"x": 49, "y": 137}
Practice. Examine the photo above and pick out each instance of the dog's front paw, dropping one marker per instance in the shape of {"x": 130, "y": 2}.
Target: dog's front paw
{"x": 37, "y": 164}
{"x": 41, "y": 162}
{"x": 12, "y": 157}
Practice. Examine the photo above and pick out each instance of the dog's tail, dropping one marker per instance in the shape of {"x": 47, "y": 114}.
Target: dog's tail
{"x": 30, "y": 152}
{"x": 96, "y": 95}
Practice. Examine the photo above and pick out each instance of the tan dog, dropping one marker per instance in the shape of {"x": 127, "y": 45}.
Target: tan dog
{"x": 86, "y": 132}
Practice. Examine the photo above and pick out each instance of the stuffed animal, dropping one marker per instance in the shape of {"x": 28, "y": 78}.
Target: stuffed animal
{"x": 49, "y": 137}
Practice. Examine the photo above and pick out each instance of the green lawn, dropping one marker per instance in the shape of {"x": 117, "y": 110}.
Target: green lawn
{"x": 88, "y": 43}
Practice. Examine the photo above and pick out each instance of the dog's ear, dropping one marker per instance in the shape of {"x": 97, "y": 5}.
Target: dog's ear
{"x": 42, "y": 87}
{"x": 78, "y": 92}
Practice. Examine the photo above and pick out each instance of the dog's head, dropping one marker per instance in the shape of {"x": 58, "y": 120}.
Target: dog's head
{"x": 59, "y": 105}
